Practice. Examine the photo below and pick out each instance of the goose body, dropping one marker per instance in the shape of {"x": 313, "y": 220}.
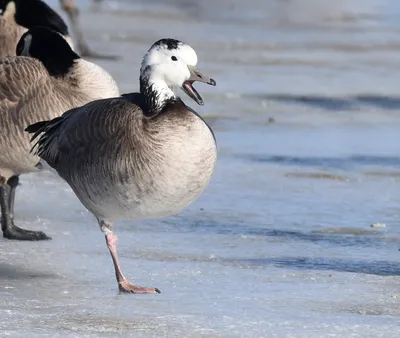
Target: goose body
{"x": 124, "y": 165}
{"x": 29, "y": 94}
{"x": 17, "y": 16}
{"x": 33, "y": 89}
{"x": 142, "y": 155}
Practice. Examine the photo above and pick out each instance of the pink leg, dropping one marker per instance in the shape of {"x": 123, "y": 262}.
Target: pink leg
{"x": 123, "y": 283}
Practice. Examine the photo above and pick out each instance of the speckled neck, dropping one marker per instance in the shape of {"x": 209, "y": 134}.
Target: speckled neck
{"x": 156, "y": 95}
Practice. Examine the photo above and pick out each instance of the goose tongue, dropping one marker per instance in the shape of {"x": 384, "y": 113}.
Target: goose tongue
{"x": 191, "y": 92}
{"x": 196, "y": 75}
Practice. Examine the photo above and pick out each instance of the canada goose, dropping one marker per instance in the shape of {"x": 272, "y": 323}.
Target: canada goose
{"x": 142, "y": 155}
{"x": 17, "y": 16}
{"x": 53, "y": 79}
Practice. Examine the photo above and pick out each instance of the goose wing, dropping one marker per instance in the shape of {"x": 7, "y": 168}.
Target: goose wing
{"x": 21, "y": 80}
{"x": 89, "y": 136}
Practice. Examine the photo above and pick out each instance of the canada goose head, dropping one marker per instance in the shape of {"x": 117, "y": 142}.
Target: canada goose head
{"x": 171, "y": 63}
{"x": 50, "y": 48}
{"x": 31, "y": 13}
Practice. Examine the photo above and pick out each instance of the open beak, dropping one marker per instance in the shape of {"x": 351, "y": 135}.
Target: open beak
{"x": 196, "y": 75}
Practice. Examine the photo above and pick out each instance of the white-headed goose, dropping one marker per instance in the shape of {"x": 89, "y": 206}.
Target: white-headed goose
{"x": 51, "y": 80}
{"x": 142, "y": 155}
{"x": 17, "y": 16}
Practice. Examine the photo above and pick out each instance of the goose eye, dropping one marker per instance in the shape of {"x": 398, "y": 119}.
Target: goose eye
{"x": 174, "y": 58}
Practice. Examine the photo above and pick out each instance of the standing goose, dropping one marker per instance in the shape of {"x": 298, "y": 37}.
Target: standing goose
{"x": 43, "y": 86}
{"x": 142, "y": 155}
{"x": 17, "y": 16}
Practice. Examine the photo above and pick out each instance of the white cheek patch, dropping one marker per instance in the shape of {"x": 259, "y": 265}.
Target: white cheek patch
{"x": 69, "y": 41}
{"x": 10, "y": 11}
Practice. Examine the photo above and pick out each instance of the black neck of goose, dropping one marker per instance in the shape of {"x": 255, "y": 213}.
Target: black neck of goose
{"x": 155, "y": 104}
{"x": 59, "y": 65}
{"x": 50, "y": 48}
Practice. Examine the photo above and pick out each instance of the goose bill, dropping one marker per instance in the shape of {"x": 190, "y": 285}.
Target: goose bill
{"x": 196, "y": 75}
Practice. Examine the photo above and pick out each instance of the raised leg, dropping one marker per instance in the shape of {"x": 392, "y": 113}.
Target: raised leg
{"x": 123, "y": 284}
{"x": 72, "y": 11}
{"x": 7, "y": 199}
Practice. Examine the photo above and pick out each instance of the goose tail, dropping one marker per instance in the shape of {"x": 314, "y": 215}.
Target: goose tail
{"x": 43, "y": 134}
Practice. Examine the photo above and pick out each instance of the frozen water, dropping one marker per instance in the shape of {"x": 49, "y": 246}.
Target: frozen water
{"x": 306, "y": 114}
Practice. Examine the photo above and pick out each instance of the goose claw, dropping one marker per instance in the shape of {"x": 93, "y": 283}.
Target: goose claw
{"x": 17, "y": 233}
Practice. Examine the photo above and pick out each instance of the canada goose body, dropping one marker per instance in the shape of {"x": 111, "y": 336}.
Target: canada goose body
{"x": 29, "y": 94}
{"x": 33, "y": 89}
{"x": 143, "y": 155}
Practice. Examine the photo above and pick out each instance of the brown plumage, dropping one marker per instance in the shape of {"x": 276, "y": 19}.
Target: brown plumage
{"x": 29, "y": 93}
{"x": 10, "y": 33}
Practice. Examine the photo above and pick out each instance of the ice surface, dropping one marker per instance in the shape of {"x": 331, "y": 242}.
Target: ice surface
{"x": 280, "y": 244}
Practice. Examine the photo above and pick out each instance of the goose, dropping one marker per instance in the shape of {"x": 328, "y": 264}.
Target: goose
{"x": 141, "y": 155}
{"x": 17, "y": 16}
{"x": 43, "y": 81}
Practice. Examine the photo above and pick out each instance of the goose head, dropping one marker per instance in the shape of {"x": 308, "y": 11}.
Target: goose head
{"x": 31, "y": 13}
{"x": 171, "y": 64}
{"x": 50, "y": 48}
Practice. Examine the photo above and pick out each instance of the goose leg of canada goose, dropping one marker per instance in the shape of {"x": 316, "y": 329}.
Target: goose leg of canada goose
{"x": 10, "y": 230}
{"x": 13, "y": 183}
{"x": 123, "y": 284}
{"x": 70, "y": 8}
